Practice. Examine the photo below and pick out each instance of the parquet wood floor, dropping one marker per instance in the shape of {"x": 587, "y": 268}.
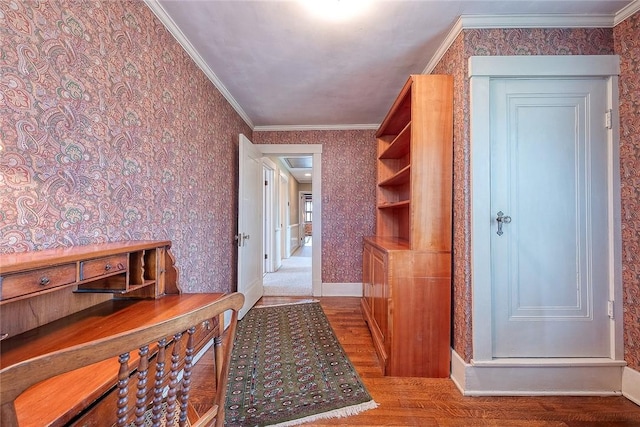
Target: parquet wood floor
{"x": 437, "y": 402}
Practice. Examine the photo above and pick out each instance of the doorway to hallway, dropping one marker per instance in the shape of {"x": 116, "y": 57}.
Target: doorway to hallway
{"x": 293, "y": 278}
{"x": 310, "y": 243}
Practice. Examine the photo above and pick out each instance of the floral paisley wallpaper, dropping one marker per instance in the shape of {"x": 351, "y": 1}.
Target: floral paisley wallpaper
{"x": 455, "y": 63}
{"x": 111, "y": 132}
{"x": 627, "y": 45}
{"x": 348, "y": 195}
{"x": 547, "y": 42}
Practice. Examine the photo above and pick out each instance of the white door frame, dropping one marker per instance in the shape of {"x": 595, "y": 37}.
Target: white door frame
{"x": 285, "y": 223}
{"x": 479, "y": 381}
{"x": 301, "y": 230}
{"x": 269, "y": 220}
{"x": 316, "y": 234}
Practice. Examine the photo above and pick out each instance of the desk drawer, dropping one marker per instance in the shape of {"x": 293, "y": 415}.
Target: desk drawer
{"x": 204, "y": 332}
{"x": 103, "y": 266}
{"x": 15, "y": 285}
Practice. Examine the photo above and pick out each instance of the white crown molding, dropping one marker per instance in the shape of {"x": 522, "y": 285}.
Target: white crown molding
{"x": 164, "y": 17}
{"x": 290, "y": 128}
{"x": 466, "y": 22}
{"x": 536, "y": 21}
{"x": 444, "y": 47}
{"x": 626, "y": 12}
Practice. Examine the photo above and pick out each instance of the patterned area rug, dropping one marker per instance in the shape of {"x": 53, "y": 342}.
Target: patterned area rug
{"x": 287, "y": 368}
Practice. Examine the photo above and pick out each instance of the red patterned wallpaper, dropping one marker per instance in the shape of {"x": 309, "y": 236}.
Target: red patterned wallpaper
{"x": 111, "y": 132}
{"x": 454, "y": 63}
{"x": 539, "y": 41}
{"x": 348, "y": 195}
{"x": 627, "y": 45}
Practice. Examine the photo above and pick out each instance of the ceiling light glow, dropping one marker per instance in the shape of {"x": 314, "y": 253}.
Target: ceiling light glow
{"x": 336, "y": 10}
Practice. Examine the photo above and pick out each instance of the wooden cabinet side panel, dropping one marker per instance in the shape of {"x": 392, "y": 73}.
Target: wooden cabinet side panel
{"x": 374, "y": 307}
{"x": 380, "y": 294}
{"x": 160, "y": 268}
{"x": 136, "y": 268}
{"x": 420, "y": 330}
{"x": 367, "y": 284}
{"x": 432, "y": 162}
{"x": 171, "y": 277}
{"x": 378, "y": 344}
{"x": 421, "y": 334}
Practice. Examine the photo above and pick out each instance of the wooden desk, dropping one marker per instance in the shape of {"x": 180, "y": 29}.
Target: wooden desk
{"x": 68, "y": 297}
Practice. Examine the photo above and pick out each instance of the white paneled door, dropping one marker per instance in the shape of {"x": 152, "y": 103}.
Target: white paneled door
{"x": 550, "y": 221}
{"x": 250, "y": 213}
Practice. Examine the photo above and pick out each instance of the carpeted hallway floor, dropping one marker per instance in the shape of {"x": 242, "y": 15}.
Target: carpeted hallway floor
{"x": 293, "y": 278}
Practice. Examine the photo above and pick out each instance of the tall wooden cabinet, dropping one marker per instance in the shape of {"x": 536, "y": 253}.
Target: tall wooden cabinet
{"x": 407, "y": 264}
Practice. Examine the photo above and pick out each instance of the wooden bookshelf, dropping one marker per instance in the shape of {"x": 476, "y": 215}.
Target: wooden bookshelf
{"x": 407, "y": 264}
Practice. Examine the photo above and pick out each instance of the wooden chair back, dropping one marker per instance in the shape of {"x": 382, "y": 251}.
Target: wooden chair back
{"x": 16, "y": 378}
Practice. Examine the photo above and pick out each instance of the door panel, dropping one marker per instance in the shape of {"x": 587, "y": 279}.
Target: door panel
{"x": 548, "y": 176}
{"x": 250, "y": 213}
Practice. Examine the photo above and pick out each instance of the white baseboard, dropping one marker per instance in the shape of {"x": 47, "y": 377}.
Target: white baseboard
{"x": 202, "y": 351}
{"x": 458, "y": 368}
{"x": 533, "y": 377}
{"x": 342, "y": 289}
{"x": 631, "y": 385}
{"x": 293, "y": 250}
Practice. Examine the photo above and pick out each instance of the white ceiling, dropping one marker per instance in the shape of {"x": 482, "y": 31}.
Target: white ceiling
{"x": 283, "y": 68}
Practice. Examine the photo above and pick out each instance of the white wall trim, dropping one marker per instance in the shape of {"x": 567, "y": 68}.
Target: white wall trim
{"x": 444, "y": 46}
{"x": 467, "y": 22}
{"x": 458, "y": 371}
{"x": 626, "y": 12}
{"x": 269, "y": 169}
{"x": 171, "y": 26}
{"x": 544, "y": 66}
{"x": 273, "y": 150}
{"x": 631, "y": 385}
{"x": 482, "y": 305}
{"x": 537, "y": 21}
{"x": 342, "y": 289}
{"x": 615, "y": 220}
{"x": 288, "y": 128}
{"x": 294, "y": 241}
{"x": 570, "y": 377}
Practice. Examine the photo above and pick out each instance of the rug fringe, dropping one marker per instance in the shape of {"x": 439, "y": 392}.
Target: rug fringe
{"x": 302, "y": 301}
{"x": 336, "y": 413}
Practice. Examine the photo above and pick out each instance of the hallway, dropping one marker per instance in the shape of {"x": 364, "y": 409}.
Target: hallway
{"x": 293, "y": 278}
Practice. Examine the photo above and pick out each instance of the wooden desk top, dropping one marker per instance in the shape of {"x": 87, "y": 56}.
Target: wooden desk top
{"x": 77, "y": 389}
{"x": 103, "y": 320}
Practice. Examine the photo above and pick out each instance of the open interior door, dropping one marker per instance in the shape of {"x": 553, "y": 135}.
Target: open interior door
{"x": 249, "y": 237}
